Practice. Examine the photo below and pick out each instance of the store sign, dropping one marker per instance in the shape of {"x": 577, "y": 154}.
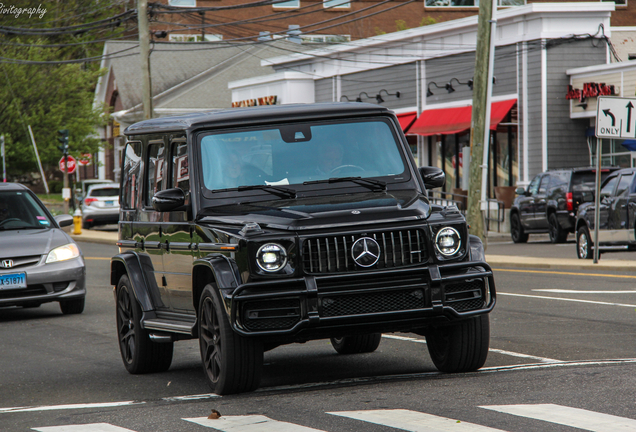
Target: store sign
{"x": 591, "y": 89}
{"x": 265, "y": 100}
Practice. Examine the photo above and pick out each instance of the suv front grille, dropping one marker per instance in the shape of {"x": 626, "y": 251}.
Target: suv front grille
{"x": 22, "y": 261}
{"x": 357, "y": 304}
{"x": 332, "y": 254}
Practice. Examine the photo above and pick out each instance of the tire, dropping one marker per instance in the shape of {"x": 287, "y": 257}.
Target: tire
{"x": 516, "y": 230}
{"x": 231, "y": 363}
{"x": 584, "y": 245}
{"x": 71, "y": 307}
{"x": 462, "y": 347}
{"x": 139, "y": 353}
{"x": 86, "y": 225}
{"x": 557, "y": 235}
{"x": 357, "y": 344}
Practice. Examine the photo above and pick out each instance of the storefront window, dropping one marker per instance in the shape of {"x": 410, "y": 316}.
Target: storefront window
{"x": 615, "y": 152}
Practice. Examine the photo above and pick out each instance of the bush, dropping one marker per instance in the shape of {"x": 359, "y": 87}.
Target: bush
{"x": 55, "y": 186}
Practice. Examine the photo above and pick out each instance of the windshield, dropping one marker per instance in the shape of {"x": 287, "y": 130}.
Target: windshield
{"x": 19, "y": 210}
{"x": 299, "y": 153}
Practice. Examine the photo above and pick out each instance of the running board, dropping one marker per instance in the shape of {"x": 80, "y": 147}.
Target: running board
{"x": 170, "y": 326}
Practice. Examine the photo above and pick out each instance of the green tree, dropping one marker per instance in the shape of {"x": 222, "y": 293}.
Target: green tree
{"x": 49, "y": 68}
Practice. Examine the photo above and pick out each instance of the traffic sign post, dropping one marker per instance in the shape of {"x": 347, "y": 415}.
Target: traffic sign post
{"x": 616, "y": 118}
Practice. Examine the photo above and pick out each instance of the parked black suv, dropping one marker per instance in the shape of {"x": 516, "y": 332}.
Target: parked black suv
{"x": 550, "y": 203}
{"x": 256, "y": 227}
{"x": 616, "y": 218}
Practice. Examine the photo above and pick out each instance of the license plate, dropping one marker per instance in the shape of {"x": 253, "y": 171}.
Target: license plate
{"x": 14, "y": 280}
{"x": 110, "y": 203}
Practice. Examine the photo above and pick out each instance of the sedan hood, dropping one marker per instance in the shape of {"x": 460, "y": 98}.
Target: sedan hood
{"x": 31, "y": 242}
{"x": 324, "y": 211}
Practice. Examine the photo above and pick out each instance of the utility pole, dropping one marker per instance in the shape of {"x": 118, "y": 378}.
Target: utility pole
{"x": 480, "y": 120}
{"x": 144, "y": 52}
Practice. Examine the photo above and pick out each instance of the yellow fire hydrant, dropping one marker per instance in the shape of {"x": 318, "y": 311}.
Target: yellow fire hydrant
{"x": 77, "y": 222}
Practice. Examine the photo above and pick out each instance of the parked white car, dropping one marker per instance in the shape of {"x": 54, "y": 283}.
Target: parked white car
{"x": 100, "y": 206}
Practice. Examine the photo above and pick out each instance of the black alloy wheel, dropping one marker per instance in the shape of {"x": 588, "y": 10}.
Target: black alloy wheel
{"x": 516, "y": 230}
{"x": 557, "y": 235}
{"x": 139, "y": 354}
{"x": 461, "y": 347}
{"x": 357, "y": 344}
{"x": 231, "y": 363}
{"x": 584, "y": 246}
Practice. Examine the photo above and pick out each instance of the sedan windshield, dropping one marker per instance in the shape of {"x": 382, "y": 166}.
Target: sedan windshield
{"x": 300, "y": 153}
{"x": 19, "y": 210}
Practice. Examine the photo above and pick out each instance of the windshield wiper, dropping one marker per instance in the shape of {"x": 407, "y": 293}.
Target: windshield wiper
{"x": 368, "y": 183}
{"x": 276, "y": 190}
{"x": 24, "y": 227}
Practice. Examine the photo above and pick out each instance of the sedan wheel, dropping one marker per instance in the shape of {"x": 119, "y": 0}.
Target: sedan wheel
{"x": 357, "y": 344}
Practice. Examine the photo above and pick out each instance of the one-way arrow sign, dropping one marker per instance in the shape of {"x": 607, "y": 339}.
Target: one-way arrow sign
{"x": 614, "y": 118}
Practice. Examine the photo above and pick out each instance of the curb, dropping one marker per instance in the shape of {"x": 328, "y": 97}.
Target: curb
{"x": 504, "y": 261}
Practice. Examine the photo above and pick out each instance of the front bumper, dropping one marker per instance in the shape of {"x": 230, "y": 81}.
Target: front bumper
{"x": 385, "y": 301}
{"x": 60, "y": 281}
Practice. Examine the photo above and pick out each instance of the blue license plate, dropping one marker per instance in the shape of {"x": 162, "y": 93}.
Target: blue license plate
{"x": 12, "y": 281}
{"x": 110, "y": 203}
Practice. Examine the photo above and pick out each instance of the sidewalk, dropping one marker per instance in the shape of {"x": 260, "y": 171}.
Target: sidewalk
{"x": 537, "y": 254}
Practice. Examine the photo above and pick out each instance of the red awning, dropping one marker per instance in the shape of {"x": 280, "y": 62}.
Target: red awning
{"x": 406, "y": 119}
{"x": 444, "y": 121}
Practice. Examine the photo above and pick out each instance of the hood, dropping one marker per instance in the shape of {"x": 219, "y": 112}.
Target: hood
{"x": 324, "y": 211}
{"x": 31, "y": 242}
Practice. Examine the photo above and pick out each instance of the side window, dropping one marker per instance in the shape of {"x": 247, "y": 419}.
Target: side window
{"x": 623, "y": 184}
{"x": 608, "y": 188}
{"x": 180, "y": 168}
{"x": 130, "y": 175}
{"x": 533, "y": 187}
{"x": 543, "y": 188}
{"x": 155, "y": 171}
{"x": 558, "y": 183}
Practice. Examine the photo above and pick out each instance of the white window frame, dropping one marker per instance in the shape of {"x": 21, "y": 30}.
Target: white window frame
{"x": 336, "y": 4}
{"x": 291, "y": 4}
{"x": 180, "y": 3}
{"x": 183, "y": 37}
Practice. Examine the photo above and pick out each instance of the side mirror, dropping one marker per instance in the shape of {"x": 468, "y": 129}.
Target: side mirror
{"x": 432, "y": 177}
{"x": 64, "y": 220}
{"x": 520, "y": 191}
{"x": 168, "y": 200}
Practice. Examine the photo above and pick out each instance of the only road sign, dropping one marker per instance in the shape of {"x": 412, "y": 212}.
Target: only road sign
{"x": 616, "y": 118}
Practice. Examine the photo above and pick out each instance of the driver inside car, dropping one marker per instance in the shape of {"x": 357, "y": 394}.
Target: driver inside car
{"x": 329, "y": 159}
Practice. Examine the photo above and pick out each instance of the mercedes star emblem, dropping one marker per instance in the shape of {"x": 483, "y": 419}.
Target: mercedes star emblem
{"x": 365, "y": 252}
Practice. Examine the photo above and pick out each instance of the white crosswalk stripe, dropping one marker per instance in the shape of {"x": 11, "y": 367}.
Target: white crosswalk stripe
{"x": 574, "y": 417}
{"x": 398, "y": 419}
{"x": 93, "y": 427}
{"x": 413, "y": 421}
{"x": 249, "y": 423}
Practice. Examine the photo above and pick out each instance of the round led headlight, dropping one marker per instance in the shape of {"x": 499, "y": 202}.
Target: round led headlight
{"x": 271, "y": 257}
{"x": 448, "y": 241}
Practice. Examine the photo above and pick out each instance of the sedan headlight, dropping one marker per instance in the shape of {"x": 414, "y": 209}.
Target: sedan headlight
{"x": 271, "y": 257}
{"x": 448, "y": 241}
{"x": 63, "y": 253}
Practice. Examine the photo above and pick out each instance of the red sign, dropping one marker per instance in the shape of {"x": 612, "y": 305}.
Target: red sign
{"x": 590, "y": 89}
{"x": 70, "y": 164}
{"x": 85, "y": 159}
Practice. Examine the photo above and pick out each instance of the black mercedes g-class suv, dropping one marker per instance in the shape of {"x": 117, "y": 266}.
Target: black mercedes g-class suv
{"x": 256, "y": 227}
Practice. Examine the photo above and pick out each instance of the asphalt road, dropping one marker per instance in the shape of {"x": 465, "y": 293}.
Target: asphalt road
{"x": 561, "y": 343}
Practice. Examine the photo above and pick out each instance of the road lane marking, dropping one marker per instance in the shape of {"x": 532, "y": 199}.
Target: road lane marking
{"x": 573, "y": 417}
{"x": 91, "y": 427}
{"x": 510, "y": 353}
{"x": 413, "y": 421}
{"x": 565, "y": 291}
{"x": 68, "y": 407}
{"x": 567, "y": 299}
{"x": 249, "y": 423}
{"x": 567, "y": 273}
